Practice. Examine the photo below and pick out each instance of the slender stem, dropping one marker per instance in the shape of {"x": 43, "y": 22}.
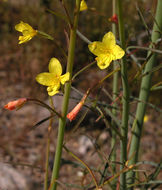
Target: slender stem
{"x": 125, "y": 169}
{"x": 144, "y": 48}
{"x": 45, "y": 35}
{"x": 85, "y": 39}
{"x": 49, "y": 37}
{"x": 62, "y": 121}
{"x": 48, "y": 147}
{"x": 67, "y": 13}
{"x": 84, "y": 164}
{"x": 47, "y": 164}
{"x": 47, "y": 155}
{"x": 44, "y": 105}
{"x": 144, "y": 95}
{"x": 59, "y": 15}
{"x": 107, "y": 76}
{"x": 125, "y": 98}
{"x": 115, "y": 92}
{"x": 83, "y": 69}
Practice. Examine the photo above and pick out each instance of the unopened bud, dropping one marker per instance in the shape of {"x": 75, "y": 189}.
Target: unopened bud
{"x": 114, "y": 19}
{"x": 15, "y": 104}
{"x": 72, "y": 115}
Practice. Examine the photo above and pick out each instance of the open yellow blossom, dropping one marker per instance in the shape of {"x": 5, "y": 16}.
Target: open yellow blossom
{"x": 53, "y": 79}
{"x": 27, "y": 31}
{"x": 106, "y": 51}
{"x": 83, "y": 6}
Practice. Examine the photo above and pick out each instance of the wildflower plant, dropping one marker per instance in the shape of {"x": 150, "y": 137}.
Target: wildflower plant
{"x": 107, "y": 52}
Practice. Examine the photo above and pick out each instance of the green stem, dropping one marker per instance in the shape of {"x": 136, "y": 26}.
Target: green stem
{"x": 48, "y": 147}
{"x": 144, "y": 48}
{"x": 144, "y": 95}
{"x": 47, "y": 156}
{"x": 84, "y": 164}
{"x": 85, "y": 39}
{"x": 62, "y": 121}
{"x": 49, "y": 37}
{"x": 125, "y": 98}
{"x": 45, "y": 105}
{"x": 115, "y": 92}
{"x": 83, "y": 69}
{"x": 45, "y": 35}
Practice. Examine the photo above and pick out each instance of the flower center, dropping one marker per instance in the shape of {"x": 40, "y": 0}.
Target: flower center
{"x": 107, "y": 51}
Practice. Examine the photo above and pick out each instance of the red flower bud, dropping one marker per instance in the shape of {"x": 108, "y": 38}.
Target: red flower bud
{"x": 114, "y": 19}
{"x": 72, "y": 115}
{"x": 15, "y": 104}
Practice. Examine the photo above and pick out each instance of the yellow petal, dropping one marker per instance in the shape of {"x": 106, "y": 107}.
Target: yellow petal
{"x": 103, "y": 61}
{"x": 23, "y": 26}
{"x": 117, "y": 52}
{"x": 31, "y": 33}
{"x": 109, "y": 40}
{"x": 47, "y": 79}
{"x": 23, "y": 39}
{"x": 27, "y": 31}
{"x": 55, "y": 67}
{"x": 97, "y": 48}
{"x": 65, "y": 78}
{"x": 83, "y": 6}
{"x": 52, "y": 90}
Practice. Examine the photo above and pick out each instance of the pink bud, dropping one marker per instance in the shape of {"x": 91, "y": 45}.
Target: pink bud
{"x": 72, "y": 115}
{"x": 15, "y": 104}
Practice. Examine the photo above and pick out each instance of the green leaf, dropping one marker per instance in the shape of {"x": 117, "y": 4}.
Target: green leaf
{"x": 40, "y": 122}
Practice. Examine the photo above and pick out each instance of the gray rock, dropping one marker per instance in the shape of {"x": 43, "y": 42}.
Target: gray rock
{"x": 11, "y": 179}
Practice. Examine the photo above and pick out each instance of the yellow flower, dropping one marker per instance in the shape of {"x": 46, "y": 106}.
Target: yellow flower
{"x": 146, "y": 118}
{"x": 53, "y": 78}
{"x": 27, "y": 31}
{"x": 83, "y": 6}
{"x": 106, "y": 51}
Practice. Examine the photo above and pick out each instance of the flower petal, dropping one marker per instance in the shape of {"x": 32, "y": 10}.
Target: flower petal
{"x": 83, "y": 6}
{"x": 103, "y": 61}
{"x": 117, "y": 52}
{"x": 109, "y": 40}
{"x": 27, "y": 31}
{"x": 47, "y": 79}
{"x": 65, "y": 78}
{"x": 97, "y": 48}
{"x": 52, "y": 90}
{"x": 55, "y": 67}
{"x": 23, "y": 26}
{"x": 23, "y": 39}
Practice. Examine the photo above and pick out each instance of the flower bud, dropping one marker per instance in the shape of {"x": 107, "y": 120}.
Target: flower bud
{"x": 114, "y": 19}
{"x": 15, "y": 104}
{"x": 72, "y": 115}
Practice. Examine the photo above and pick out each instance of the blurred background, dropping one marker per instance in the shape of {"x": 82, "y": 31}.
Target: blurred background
{"x": 22, "y": 153}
